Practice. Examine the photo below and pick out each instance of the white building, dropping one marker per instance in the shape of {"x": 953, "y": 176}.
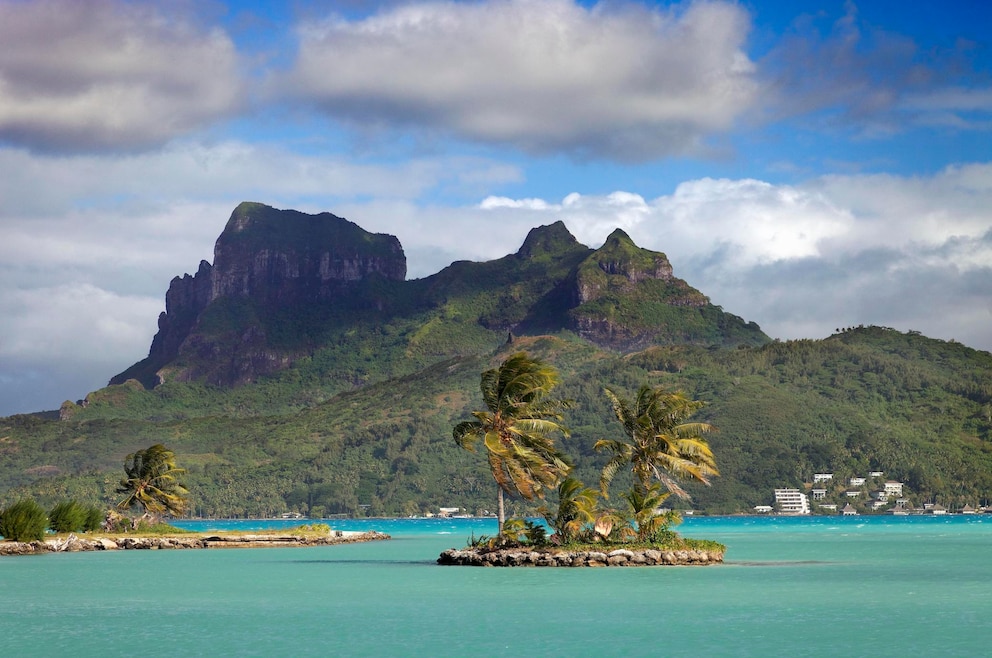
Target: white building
{"x": 791, "y": 502}
{"x": 875, "y": 474}
{"x": 849, "y": 510}
{"x": 893, "y": 488}
{"x": 856, "y": 482}
{"x": 822, "y": 477}
{"x": 819, "y": 494}
{"x": 763, "y": 509}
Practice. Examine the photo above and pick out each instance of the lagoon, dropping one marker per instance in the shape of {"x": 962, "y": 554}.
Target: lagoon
{"x": 881, "y": 586}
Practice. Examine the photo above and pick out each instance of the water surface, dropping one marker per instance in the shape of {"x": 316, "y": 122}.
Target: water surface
{"x": 878, "y": 586}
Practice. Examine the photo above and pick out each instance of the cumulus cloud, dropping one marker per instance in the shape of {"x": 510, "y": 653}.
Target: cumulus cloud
{"x": 109, "y": 75}
{"x": 617, "y": 79}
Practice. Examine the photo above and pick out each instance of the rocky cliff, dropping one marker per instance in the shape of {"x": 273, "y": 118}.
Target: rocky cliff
{"x": 265, "y": 260}
{"x": 627, "y": 298}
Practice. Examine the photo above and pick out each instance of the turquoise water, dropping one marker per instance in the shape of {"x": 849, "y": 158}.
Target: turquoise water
{"x": 879, "y": 586}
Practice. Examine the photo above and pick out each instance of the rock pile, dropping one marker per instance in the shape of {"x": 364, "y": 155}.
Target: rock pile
{"x": 622, "y": 557}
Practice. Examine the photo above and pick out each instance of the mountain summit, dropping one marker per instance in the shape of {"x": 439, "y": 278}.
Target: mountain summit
{"x": 286, "y": 285}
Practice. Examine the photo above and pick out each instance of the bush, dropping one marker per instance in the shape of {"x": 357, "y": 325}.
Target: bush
{"x": 94, "y": 519}
{"x": 68, "y": 516}
{"x": 23, "y": 521}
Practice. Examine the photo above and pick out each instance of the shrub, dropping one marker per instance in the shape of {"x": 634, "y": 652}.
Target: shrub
{"x": 94, "y": 519}
{"x": 23, "y": 521}
{"x": 68, "y": 516}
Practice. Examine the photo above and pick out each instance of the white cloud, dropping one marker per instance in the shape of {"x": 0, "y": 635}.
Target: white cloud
{"x": 77, "y": 322}
{"x": 617, "y": 79}
{"x": 109, "y": 75}
{"x": 60, "y": 342}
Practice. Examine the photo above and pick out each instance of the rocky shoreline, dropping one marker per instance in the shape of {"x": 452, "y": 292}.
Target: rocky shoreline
{"x": 622, "y": 557}
{"x": 73, "y": 543}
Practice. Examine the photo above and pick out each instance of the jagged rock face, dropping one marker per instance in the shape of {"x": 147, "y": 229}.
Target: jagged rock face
{"x": 618, "y": 288}
{"x": 619, "y": 265}
{"x": 274, "y": 258}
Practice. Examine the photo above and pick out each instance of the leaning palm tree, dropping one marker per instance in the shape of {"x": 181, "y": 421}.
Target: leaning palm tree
{"x": 151, "y": 482}
{"x": 517, "y": 429}
{"x": 660, "y": 445}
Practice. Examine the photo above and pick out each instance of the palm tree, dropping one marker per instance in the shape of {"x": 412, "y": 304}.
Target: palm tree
{"x": 660, "y": 444}
{"x": 576, "y": 508}
{"x": 647, "y": 522}
{"x": 151, "y": 482}
{"x": 517, "y": 427}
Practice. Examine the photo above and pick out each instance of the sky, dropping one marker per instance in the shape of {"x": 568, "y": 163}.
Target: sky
{"x": 808, "y": 164}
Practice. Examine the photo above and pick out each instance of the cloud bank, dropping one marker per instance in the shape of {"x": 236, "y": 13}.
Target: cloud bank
{"x": 105, "y": 75}
{"x": 615, "y": 80}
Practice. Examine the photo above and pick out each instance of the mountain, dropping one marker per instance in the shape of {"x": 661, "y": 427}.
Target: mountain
{"x": 302, "y": 371}
{"x": 265, "y": 261}
{"x": 285, "y": 285}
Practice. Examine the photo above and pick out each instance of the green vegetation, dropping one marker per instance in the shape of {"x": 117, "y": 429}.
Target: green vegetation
{"x": 862, "y": 400}
{"x": 23, "y": 521}
{"x": 70, "y": 516}
{"x": 524, "y": 460}
{"x": 152, "y": 482}
{"x": 577, "y": 508}
{"x": 517, "y": 429}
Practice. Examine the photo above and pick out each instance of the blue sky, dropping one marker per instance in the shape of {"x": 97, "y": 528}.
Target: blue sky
{"x": 808, "y": 165}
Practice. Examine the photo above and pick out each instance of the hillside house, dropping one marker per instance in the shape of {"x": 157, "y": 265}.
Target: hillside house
{"x": 856, "y": 482}
{"x": 822, "y": 477}
{"x": 819, "y": 494}
{"x": 893, "y": 488}
{"x": 849, "y": 510}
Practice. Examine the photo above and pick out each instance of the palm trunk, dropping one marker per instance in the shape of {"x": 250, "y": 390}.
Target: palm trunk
{"x": 500, "y": 510}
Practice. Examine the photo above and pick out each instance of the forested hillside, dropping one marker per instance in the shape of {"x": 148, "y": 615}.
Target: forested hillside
{"x": 301, "y": 372}
{"x": 865, "y": 399}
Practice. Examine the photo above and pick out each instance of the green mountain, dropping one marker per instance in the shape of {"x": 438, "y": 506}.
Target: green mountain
{"x": 301, "y": 371}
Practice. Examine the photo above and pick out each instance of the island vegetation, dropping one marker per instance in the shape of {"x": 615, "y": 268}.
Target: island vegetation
{"x": 660, "y": 448}
{"x": 151, "y": 483}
